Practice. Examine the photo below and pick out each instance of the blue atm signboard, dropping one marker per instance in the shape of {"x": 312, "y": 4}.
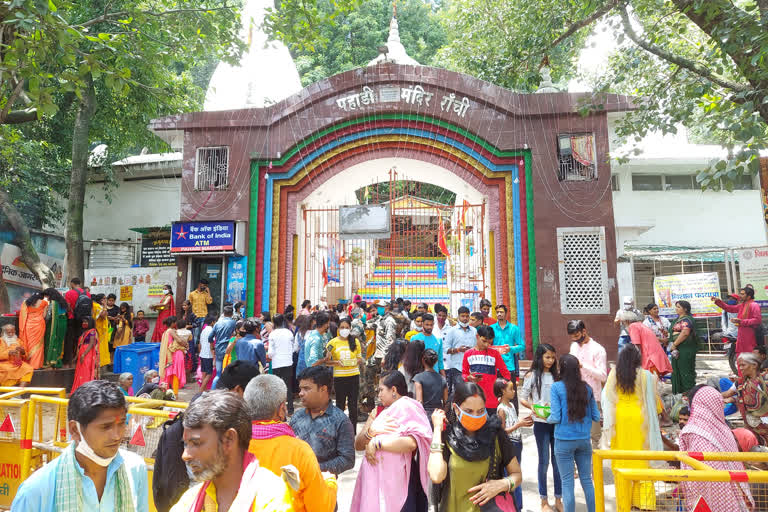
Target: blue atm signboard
{"x": 202, "y": 236}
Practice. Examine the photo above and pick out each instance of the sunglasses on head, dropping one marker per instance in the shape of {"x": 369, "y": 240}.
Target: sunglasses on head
{"x": 242, "y": 333}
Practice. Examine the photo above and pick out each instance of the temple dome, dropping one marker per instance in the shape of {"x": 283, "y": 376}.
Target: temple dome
{"x": 266, "y": 73}
{"x": 395, "y": 50}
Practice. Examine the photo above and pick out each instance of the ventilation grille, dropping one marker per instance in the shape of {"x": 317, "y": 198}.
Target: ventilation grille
{"x": 212, "y": 168}
{"x": 583, "y": 270}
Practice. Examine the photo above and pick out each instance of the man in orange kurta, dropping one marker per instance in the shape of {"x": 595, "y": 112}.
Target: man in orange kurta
{"x": 13, "y": 370}
{"x": 276, "y": 446}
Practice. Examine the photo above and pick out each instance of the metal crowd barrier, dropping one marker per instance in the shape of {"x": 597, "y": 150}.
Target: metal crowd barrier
{"x": 666, "y": 489}
{"x": 33, "y": 431}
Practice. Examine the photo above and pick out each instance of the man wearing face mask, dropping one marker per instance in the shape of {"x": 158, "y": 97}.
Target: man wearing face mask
{"x": 217, "y": 430}
{"x": 92, "y": 473}
{"x": 431, "y": 341}
{"x": 276, "y": 446}
{"x": 458, "y": 339}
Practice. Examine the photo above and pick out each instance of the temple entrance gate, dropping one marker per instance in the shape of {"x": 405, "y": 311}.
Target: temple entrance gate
{"x": 437, "y": 251}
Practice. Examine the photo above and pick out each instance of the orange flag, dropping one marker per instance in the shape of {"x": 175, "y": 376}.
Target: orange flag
{"x": 441, "y": 242}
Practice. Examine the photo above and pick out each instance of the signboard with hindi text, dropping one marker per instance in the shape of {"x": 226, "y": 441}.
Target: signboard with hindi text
{"x": 202, "y": 237}
{"x": 143, "y": 285}
{"x": 156, "y": 252}
{"x": 694, "y": 288}
{"x": 753, "y": 269}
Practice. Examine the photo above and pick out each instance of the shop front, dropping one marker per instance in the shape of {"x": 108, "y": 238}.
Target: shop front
{"x": 213, "y": 251}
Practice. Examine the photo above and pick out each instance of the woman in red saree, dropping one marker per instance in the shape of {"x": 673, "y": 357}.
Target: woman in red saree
{"x": 32, "y": 328}
{"x": 87, "y": 368}
{"x": 166, "y": 308}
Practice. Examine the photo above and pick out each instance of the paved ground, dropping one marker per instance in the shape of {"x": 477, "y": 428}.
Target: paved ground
{"x": 714, "y": 365}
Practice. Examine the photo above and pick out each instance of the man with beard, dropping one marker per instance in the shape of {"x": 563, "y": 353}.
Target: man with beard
{"x": 14, "y": 371}
{"x": 217, "y": 430}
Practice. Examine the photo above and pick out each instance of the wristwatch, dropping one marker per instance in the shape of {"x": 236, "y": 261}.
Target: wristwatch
{"x": 436, "y": 447}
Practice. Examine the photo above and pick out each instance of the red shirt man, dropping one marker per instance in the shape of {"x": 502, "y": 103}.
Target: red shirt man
{"x": 482, "y": 364}
{"x": 72, "y": 294}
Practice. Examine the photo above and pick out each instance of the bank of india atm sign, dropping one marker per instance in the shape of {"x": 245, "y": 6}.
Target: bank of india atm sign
{"x": 202, "y": 236}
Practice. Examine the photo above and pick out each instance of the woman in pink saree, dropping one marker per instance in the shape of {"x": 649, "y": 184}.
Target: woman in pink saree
{"x": 172, "y": 351}
{"x": 166, "y": 308}
{"x": 393, "y": 476}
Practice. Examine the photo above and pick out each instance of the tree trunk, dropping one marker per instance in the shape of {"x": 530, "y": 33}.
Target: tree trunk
{"x": 24, "y": 241}
{"x": 5, "y": 301}
{"x": 80, "y": 142}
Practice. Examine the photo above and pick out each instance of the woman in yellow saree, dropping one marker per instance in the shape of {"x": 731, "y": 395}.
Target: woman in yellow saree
{"x": 630, "y": 401}
{"x": 102, "y": 327}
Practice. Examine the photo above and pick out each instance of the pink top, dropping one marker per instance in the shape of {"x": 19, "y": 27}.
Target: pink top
{"x": 745, "y": 338}
{"x": 653, "y": 355}
{"x": 594, "y": 367}
{"x": 383, "y": 487}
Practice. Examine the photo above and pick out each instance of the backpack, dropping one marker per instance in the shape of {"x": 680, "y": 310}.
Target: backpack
{"x": 83, "y": 306}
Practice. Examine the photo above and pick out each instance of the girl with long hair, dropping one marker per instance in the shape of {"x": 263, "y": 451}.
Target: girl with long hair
{"x": 56, "y": 328}
{"x": 630, "y": 408}
{"x": 573, "y": 411}
{"x": 345, "y": 358}
{"x": 412, "y": 363}
{"x": 124, "y": 325}
{"x": 32, "y": 328}
{"x": 536, "y": 390}
{"x": 101, "y": 319}
{"x": 469, "y": 457}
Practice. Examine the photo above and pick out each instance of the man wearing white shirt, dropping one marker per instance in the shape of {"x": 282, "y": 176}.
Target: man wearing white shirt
{"x": 280, "y": 352}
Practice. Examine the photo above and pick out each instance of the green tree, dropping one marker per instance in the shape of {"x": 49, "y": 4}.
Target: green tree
{"x": 353, "y": 39}
{"x": 112, "y": 65}
{"x": 701, "y": 63}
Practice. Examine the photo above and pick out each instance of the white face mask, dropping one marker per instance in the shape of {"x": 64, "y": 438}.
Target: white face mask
{"x": 419, "y": 328}
{"x": 344, "y": 333}
{"x": 86, "y": 451}
{"x": 165, "y": 292}
{"x": 464, "y": 324}
{"x": 155, "y": 380}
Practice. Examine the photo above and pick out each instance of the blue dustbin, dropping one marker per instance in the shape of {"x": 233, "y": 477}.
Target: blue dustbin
{"x": 136, "y": 359}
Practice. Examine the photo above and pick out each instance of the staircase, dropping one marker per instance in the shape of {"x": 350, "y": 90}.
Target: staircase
{"x": 416, "y": 279}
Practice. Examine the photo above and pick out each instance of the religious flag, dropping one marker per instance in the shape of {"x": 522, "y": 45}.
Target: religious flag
{"x": 464, "y": 210}
{"x": 366, "y": 195}
{"x": 441, "y": 242}
{"x": 325, "y": 274}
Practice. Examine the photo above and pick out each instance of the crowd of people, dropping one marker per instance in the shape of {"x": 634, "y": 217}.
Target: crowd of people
{"x": 431, "y": 401}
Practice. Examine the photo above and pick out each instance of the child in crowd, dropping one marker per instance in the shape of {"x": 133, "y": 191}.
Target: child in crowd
{"x": 429, "y": 387}
{"x": 206, "y": 353}
{"x": 505, "y": 392}
{"x": 536, "y": 390}
{"x": 482, "y": 365}
{"x": 140, "y": 327}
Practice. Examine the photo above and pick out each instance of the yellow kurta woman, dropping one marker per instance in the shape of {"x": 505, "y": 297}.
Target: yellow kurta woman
{"x": 630, "y": 421}
{"x": 102, "y": 328}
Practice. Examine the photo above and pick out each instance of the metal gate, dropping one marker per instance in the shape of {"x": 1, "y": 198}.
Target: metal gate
{"x": 436, "y": 252}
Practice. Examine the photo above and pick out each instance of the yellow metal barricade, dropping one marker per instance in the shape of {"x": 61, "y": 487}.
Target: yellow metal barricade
{"x": 41, "y": 432}
{"x": 668, "y": 489}
{"x": 13, "y": 423}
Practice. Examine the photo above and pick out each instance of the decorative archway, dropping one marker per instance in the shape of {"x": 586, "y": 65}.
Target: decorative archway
{"x": 504, "y": 176}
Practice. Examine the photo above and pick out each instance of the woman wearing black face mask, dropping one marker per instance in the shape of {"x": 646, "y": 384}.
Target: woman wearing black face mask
{"x": 468, "y": 459}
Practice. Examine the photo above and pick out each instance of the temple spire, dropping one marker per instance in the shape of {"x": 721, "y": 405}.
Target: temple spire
{"x": 394, "y": 51}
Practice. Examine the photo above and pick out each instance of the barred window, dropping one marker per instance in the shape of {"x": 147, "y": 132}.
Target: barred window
{"x": 212, "y": 168}
{"x": 576, "y": 157}
{"x": 583, "y": 270}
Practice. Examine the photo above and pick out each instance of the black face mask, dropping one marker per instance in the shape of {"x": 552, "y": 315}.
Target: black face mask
{"x": 582, "y": 339}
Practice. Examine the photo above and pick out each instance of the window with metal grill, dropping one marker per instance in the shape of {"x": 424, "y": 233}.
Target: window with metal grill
{"x": 583, "y": 270}
{"x": 576, "y": 157}
{"x": 212, "y": 168}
